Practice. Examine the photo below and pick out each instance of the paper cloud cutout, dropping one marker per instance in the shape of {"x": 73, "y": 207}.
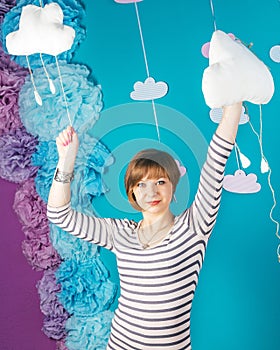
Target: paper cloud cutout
{"x": 234, "y": 74}
{"x": 127, "y": 1}
{"x": 274, "y": 53}
{"x": 241, "y": 183}
{"x": 181, "y": 168}
{"x": 217, "y": 113}
{"x": 41, "y": 30}
{"x": 149, "y": 90}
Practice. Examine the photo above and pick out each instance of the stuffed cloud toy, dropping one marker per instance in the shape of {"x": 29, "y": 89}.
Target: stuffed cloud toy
{"x": 234, "y": 74}
{"x": 41, "y": 30}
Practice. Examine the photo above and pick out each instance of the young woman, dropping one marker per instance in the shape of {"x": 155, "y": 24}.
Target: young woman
{"x": 160, "y": 257}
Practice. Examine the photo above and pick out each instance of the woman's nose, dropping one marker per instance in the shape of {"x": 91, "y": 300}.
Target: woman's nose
{"x": 152, "y": 189}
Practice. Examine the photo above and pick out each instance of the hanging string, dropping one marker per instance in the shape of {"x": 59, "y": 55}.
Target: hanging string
{"x": 236, "y": 155}
{"x": 142, "y": 39}
{"x": 259, "y": 136}
{"x": 63, "y": 92}
{"x": 213, "y": 15}
{"x": 36, "y": 93}
{"x": 51, "y": 84}
{"x": 156, "y": 120}
{"x": 147, "y": 67}
{"x": 245, "y": 161}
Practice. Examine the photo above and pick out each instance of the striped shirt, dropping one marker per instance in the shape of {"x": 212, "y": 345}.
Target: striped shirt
{"x": 157, "y": 284}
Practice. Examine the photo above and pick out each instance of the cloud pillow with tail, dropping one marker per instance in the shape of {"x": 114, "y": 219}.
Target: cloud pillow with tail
{"x": 234, "y": 74}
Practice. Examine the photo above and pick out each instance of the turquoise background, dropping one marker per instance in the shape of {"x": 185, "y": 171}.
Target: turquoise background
{"x": 237, "y": 300}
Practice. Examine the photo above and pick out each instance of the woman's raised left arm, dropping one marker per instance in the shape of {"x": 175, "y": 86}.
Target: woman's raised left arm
{"x": 228, "y": 126}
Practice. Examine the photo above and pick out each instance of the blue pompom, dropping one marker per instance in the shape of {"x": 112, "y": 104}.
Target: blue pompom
{"x": 84, "y": 101}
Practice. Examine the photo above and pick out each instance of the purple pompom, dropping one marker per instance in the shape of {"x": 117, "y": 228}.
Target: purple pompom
{"x": 40, "y": 253}
{"x": 55, "y": 315}
{"x": 31, "y": 210}
{"x": 5, "y": 6}
{"x": 17, "y": 148}
{"x": 10, "y": 85}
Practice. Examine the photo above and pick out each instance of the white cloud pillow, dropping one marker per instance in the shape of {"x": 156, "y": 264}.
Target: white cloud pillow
{"x": 41, "y": 30}
{"x": 234, "y": 74}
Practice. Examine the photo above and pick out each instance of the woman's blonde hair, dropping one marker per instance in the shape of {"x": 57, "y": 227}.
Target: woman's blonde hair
{"x": 151, "y": 163}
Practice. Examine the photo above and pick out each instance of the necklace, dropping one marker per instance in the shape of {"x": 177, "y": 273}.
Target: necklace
{"x": 148, "y": 242}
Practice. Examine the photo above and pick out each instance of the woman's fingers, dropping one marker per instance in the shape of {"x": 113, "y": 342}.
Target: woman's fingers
{"x": 65, "y": 137}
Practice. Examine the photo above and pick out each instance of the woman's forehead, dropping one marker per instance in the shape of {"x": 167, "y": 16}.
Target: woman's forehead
{"x": 148, "y": 178}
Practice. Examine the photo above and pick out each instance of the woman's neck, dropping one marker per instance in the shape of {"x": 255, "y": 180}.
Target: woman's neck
{"x": 157, "y": 220}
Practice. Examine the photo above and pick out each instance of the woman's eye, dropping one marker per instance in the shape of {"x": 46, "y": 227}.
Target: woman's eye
{"x": 141, "y": 184}
{"x": 161, "y": 182}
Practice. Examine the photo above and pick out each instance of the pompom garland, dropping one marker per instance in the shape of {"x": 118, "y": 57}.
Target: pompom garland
{"x": 75, "y": 282}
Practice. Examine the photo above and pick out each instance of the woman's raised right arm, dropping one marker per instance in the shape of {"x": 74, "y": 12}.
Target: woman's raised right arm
{"x": 67, "y": 146}
{"x": 89, "y": 228}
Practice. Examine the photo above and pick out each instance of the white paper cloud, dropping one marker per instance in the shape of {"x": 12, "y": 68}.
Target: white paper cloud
{"x": 241, "y": 183}
{"x": 274, "y": 53}
{"x": 41, "y": 30}
{"x": 149, "y": 90}
{"x": 181, "y": 168}
{"x": 234, "y": 74}
{"x": 127, "y": 1}
{"x": 217, "y": 113}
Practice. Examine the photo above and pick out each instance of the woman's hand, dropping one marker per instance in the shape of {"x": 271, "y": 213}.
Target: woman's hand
{"x": 67, "y": 144}
{"x": 228, "y": 126}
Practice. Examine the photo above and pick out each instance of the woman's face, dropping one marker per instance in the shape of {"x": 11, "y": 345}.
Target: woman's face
{"x": 153, "y": 195}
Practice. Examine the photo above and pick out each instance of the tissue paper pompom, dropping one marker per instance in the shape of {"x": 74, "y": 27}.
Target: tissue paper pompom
{"x": 70, "y": 247}
{"x": 85, "y": 288}
{"x": 45, "y": 159}
{"x": 83, "y": 98}
{"x": 60, "y": 345}
{"x": 91, "y": 161}
{"x": 29, "y": 207}
{"x": 73, "y": 15}
{"x": 91, "y": 333}
{"x": 17, "y": 148}
{"x": 6, "y": 6}
{"x": 54, "y": 312}
{"x": 10, "y": 85}
{"x": 54, "y": 328}
{"x": 7, "y": 64}
{"x": 40, "y": 253}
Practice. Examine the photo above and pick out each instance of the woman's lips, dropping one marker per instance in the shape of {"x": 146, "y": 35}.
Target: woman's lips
{"x": 154, "y": 203}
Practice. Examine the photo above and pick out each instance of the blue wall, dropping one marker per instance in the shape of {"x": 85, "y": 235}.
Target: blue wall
{"x": 237, "y": 301}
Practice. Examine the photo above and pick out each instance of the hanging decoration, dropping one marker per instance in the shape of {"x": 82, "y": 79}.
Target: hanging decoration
{"x": 236, "y": 74}
{"x": 274, "y": 53}
{"x": 41, "y": 30}
{"x": 149, "y": 90}
{"x": 45, "y": 37}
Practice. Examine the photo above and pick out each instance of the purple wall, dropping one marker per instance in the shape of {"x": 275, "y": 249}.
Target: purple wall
{"x": 20, "y": 317}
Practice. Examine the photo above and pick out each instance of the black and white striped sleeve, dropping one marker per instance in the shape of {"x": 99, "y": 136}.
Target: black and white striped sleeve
{"x": 203, "y": 211}
{"x": 95, "y": 230}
